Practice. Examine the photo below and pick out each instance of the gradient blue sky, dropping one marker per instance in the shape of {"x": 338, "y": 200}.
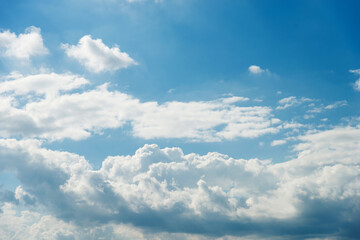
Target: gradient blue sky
{"x": 190, "y": 60}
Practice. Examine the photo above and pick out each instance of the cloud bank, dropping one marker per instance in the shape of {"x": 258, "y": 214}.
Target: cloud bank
{"x": 315, "y": 193}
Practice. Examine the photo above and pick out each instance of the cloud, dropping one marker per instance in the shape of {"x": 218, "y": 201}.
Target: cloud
{"x": 41, "y": 84}
{"x": 53, "y": 112}
{"x": 97, "y": 57}
{"x": 19, "y": 224}
{"x": 186, "y": 120}
{"x": 357, "y": 83}
{"x": 292, "y": 125}
{"x": 336, "y": 104}
{"x": 278, "y": 142}
{"x": 234, "y": 99}
{"x": 213, "y": 194}
{"x": 24, "y": 45}
{"x": 253, "y": 69}
{"x": 321, "y": 108}
{"x": 291, "y": 101}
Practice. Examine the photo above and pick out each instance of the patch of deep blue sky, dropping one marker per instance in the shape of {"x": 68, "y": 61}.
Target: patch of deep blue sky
{"x": 202, "y": 50}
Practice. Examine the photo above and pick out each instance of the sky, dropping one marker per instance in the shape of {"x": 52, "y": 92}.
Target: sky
{"x": 179, "y": 119}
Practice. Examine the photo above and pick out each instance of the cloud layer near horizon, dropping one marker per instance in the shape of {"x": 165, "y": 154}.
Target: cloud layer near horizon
{"x": 211, "y": 194}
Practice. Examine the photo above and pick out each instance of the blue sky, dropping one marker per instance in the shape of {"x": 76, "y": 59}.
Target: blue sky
{"x": 179, "y": 119}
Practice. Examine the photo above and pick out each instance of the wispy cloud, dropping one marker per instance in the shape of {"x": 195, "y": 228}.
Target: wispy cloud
{"x": 291, "y": 101}
{"x": 321, "y": 108}
{"x": 336, "y": 104}
{"x": 357, "y": 83}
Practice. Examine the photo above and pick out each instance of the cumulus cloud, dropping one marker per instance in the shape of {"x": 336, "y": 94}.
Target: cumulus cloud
{"x": 207, "y": 194}
{"x": 96, "y": 56}
{"x": 357, "y": 83}
{"x": 24, "y": 45}
{"x": 253, "y": 69}
{"x": 55, "y": 113}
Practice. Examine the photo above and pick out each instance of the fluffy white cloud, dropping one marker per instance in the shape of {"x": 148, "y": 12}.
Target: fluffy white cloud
{"x": 315, "y": 191}
{"x": 55, "y": 113}
{"x": 357, "y": 83}
{"x": 23, "y": 46}
{"x": 97, "y": 57}
{"x": 253, "y": 69}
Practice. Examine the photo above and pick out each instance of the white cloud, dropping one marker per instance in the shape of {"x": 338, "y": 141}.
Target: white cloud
{"x": 321, "y": 108}
{"x": 62, "y": 114}
{"x": 278, "y": 142}
{"x": 234, "y": 99}
{"x": 291, "y": 101}
{"x": 186, "y": 120}
{"x": 195, "y": 191}
{"x": 24, "y": 46}
{"x": 357, "y": 83}
{"x": 96, "y": 56}
{"x": 41, "y": 84}
{"x": 293, "y": 125}
{"x": 336, "y": 104}
{"x": 253, "y": 69}
{"x": 308, "y": 116}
